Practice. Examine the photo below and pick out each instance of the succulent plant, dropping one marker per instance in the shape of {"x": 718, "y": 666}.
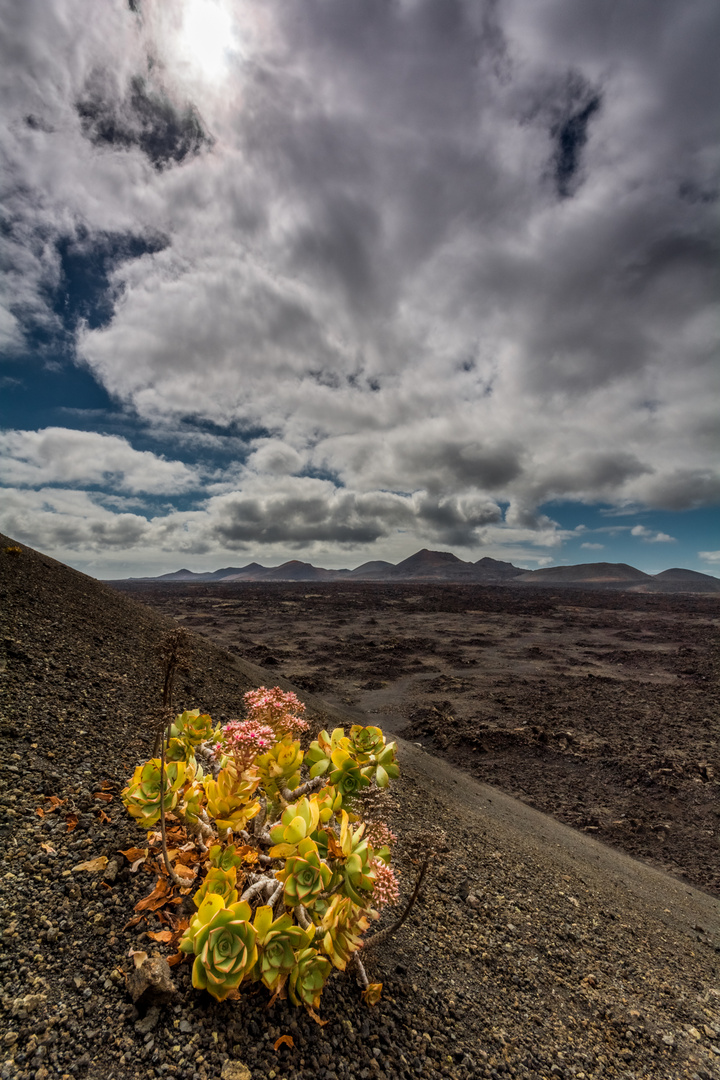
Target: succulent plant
{"x": 178, "y": 750}
{"x": 224, "y": 943}
{"x": 355, "y": 868}
{"x": 192, "y": 802}
{"x": 142, "y": 795}
{"x": 279, "y": 768}
{"x": 192, "y": 727}
{"x": 304, "y": 875}
{"x": 299, "y": 821}
{"x": 352, "y": 763}
{"x": 220, "y": 883}
{"x": 343, "y": 924}
{"x": 308, "y": 978}
{"x": 277, "y": 941}
{"x": 227, "y": 801}
{"x": 365, "y": 742}
{"x": 224, "y": 857}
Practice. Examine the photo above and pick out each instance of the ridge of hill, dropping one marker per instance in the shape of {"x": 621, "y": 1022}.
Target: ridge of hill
{"x": 434, "y": 566}
{"x": 531, "y": 944}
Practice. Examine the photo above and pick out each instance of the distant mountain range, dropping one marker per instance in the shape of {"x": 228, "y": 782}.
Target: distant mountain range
{"x": 436, "y": 566}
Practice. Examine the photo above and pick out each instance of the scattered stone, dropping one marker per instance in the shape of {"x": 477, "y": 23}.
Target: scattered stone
{"x": 149, "y": 1022}
{"x": 235, "y": 1070}
{"x": 151, "y": 983}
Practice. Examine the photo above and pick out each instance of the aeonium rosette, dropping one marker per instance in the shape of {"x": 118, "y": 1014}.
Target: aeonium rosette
{"x": 224, "y": 943}
{"x": 277, "y": 942}
{"x": 304, "y": 875}
{"x": 142, "y": 796}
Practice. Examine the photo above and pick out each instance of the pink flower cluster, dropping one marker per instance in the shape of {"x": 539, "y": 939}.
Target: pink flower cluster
{"x": 245, "y": 739}
{"x": 276, "y": 708}
{"x": 386, "y": 889}
{"x": 378, "y": 834}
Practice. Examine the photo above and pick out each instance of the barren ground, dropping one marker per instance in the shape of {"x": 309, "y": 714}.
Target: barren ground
{"x": 600, "y": 708}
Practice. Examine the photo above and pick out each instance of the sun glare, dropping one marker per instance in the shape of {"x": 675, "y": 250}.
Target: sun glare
{"x": 206, "y": 37}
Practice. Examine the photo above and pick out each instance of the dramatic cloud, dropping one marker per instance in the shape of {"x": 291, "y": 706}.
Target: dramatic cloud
{"x": 364, "y": 275}
{"x": 84, "y": 458}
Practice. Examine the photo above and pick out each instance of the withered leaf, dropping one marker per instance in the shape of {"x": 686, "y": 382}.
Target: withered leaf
{"x": 92, "y": 866}
{"x": 284, "y": 1040}
{"x": 103, "y": 795}
{"x": 71, "y": 821}
{"x": 156, "y": 898}
{"x": 176, "y": 958}
{"x": 160, "y": 935}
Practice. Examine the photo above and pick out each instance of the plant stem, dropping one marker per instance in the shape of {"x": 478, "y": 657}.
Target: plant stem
{"x": 170, "y": 872}
{"x": 382, "y": 935}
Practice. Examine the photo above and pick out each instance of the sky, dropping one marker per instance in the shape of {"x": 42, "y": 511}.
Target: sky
{"x": 336, "y": 281}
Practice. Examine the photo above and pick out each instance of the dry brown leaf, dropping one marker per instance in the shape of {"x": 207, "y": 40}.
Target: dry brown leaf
{"x": 138, "y": 957}
{"x": 133, "y": 922}
{"x": 316, "y": 1018}
{"x": 39, "y": 811}
{"x": 133, "y": 853}
{"x": 104, "y": 817}
{"x": 106, "y": 784}
{"x": 177, "y": 958}
{"x": 49, "y": 848}
{"x": 284, "y": 1040}
{"x": 71, "y": 821}
{"x": 92, "y": 865}
{"x": 54, "y": 802}
{"x": 184, "y": 872}
{"x": 156, "y": 898}
{"x": 103, "y": 795}
{"x": 160, "y": 935}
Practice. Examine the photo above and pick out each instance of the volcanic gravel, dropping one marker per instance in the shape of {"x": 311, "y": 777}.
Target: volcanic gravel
{"x": 530, "y": 954}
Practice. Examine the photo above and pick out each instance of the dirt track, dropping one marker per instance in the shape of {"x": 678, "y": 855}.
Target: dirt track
{"x": 598, "y": 708}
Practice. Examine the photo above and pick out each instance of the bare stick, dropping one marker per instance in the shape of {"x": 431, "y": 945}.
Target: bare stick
{"x": 289, "y": 796}
{"x": 383, "y": 935}
{"x": 171, "y": 873}
{"x": 360, "y": 972}
{"x": 302, "y": 917}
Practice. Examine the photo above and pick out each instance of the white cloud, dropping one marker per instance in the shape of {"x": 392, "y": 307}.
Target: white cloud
{"x": 650, "y": 536}
{"x": 593, "y": 547}
{"x": 709, "y": 556}
{"x": 66, "y": 456}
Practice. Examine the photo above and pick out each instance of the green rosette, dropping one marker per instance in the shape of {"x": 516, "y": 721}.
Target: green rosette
{"x": 219, "y": 882}
{"x": 224, "y": 943}
{"x": 142, "y": 795}
{"x": 308, "y": 978}
{"x": 277, "y": 942}
{"x": 305, "y": 875}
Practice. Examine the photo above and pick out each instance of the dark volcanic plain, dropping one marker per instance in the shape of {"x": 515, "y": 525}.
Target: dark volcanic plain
{"x": 600, "y": 708}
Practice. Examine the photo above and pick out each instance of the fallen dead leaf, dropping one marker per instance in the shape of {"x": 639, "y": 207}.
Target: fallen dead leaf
{"x": 133, "y": 853}
{"x": 184, "y": 872}
{"x": 138, "y": 957}
{"x": 104, "y": 796}
{"x": 49, "y": 848}
{"x": 54, "y": 802}
{"x": 133, "y": 922}
{"x": 105, "y": 817}
{"x": 92, "y": 865}
{"x": 284, "y": 1040}
{"x": 71, "y": 821}
{"x": 156, "y": 898}
{"x": 177, "y": 958}
{"x": 160, "y": 935}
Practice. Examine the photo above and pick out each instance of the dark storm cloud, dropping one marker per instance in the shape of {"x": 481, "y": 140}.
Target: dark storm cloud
{"x": 344, "y": 519}
{"x": 144, "y": 118}
{"x": 570, "y": 136}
